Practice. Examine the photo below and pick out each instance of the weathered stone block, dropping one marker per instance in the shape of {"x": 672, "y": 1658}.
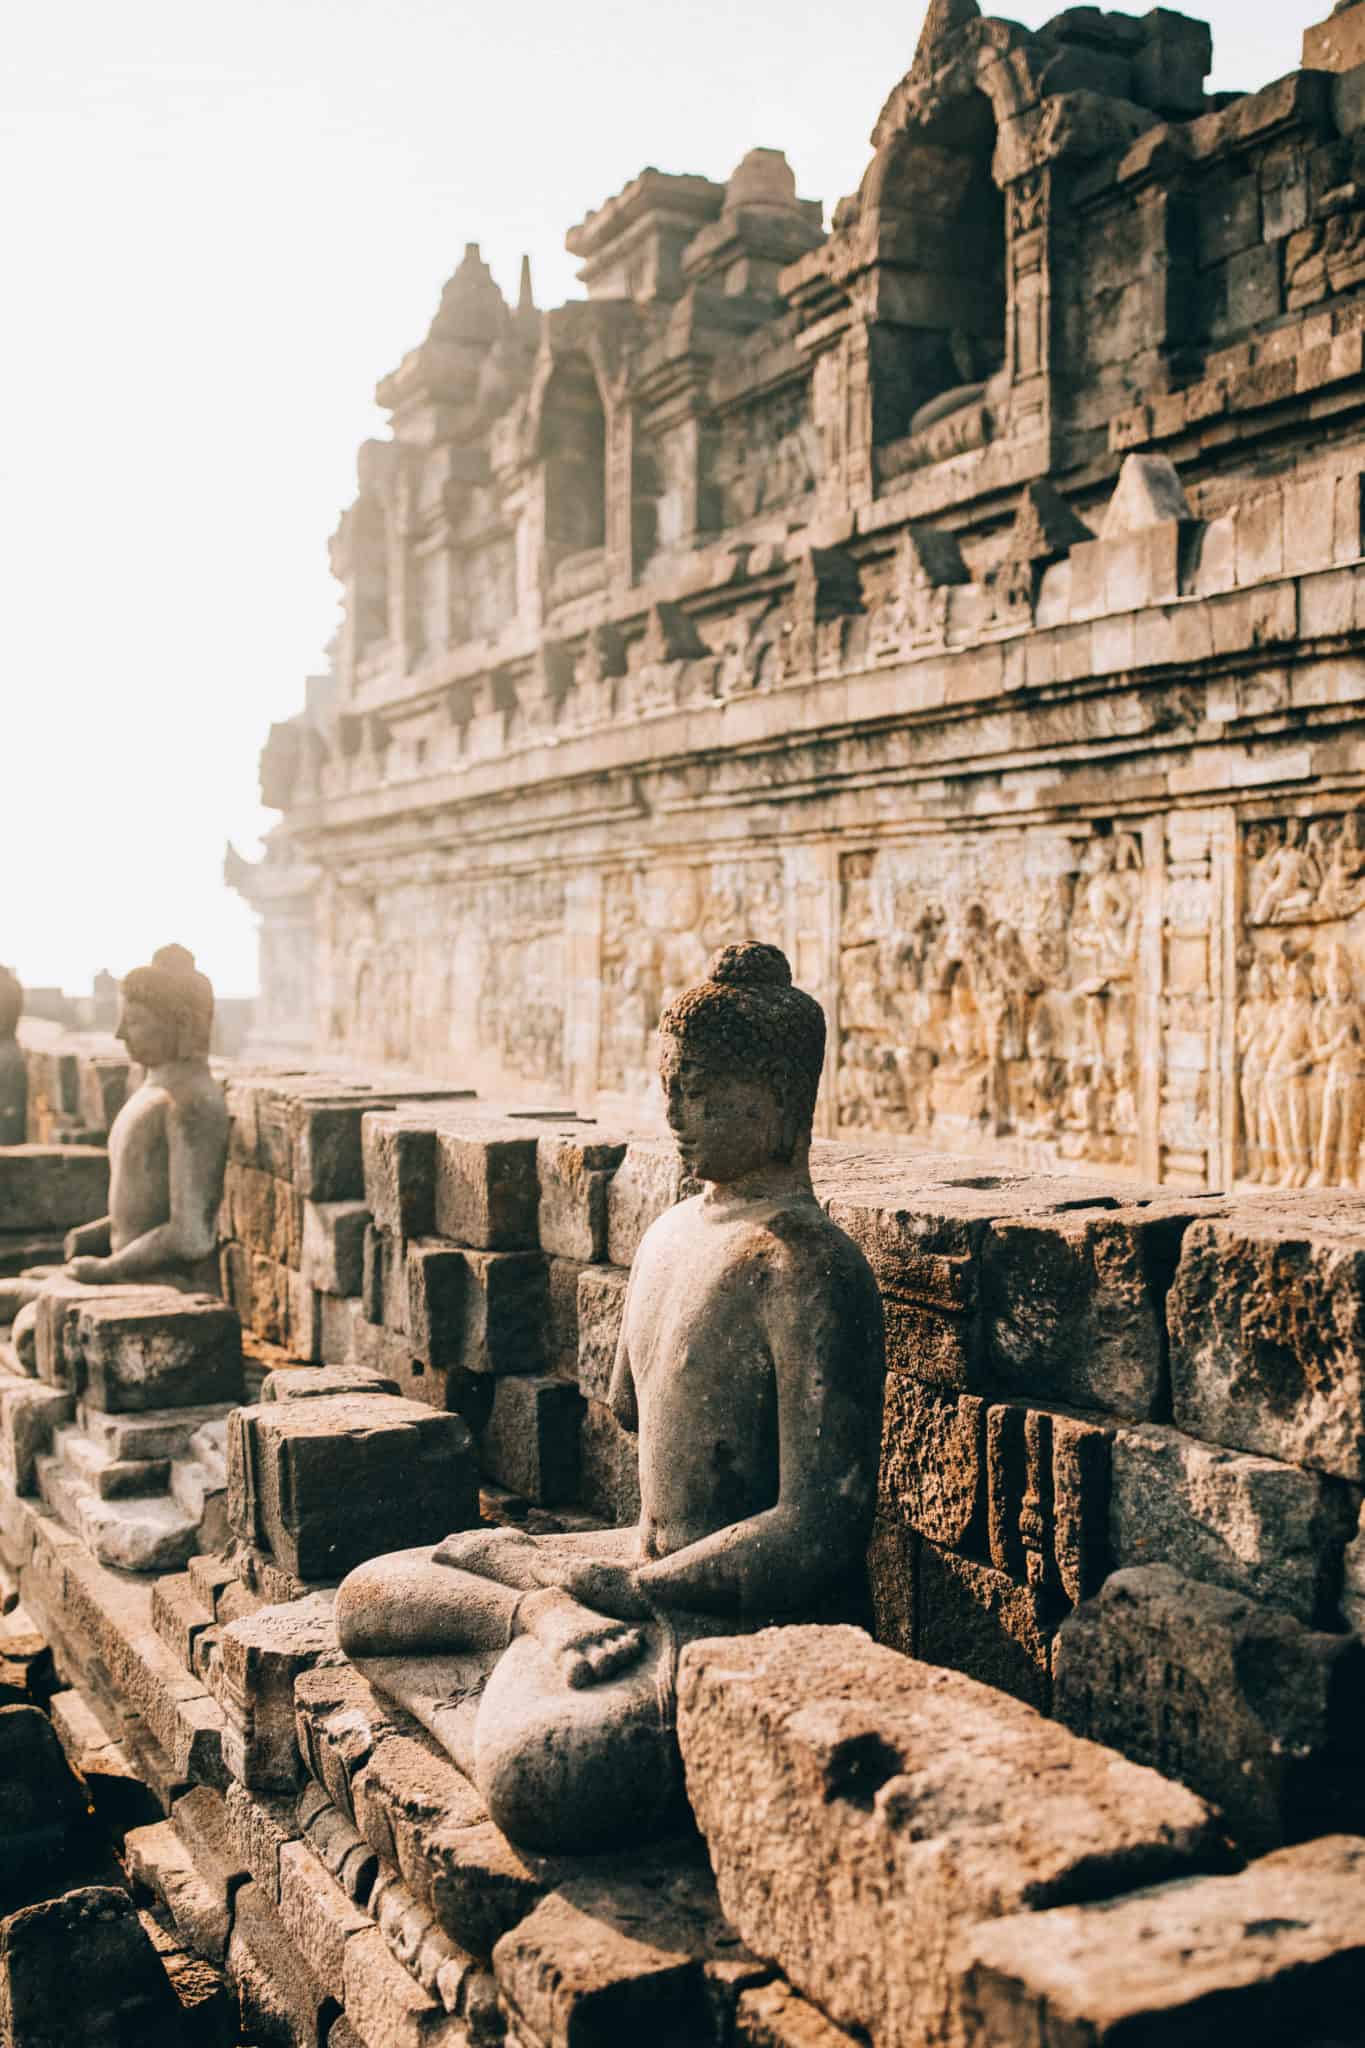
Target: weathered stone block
{"x": 326, "y": 1161}
{"x": 601, "y": 1307}
{"x": 1276, "y": 1953}
{"x": 1267, "y": 1323}
{"x": 596, "y": 1962}
{"x": 841, "y": 1786}
{"x": 1353, "y": 1580}
{"x": 29, "y": 1412}
{"x": 260, "y": 1827}
{"x": 561, "y": 1336}
{"x": 1073, "y": 1305}
{"x": 774, "y": 2017}
{"x": 892, "y": 1561}
{"x": 437, "y": 1281}
{"x": 609, "y": 1467}
{"x": 979, "y": 1620}
{"x": 1047, "y": 1478}
{"x": 279, "y": 2000}
{"x": 1251, "y": 1709}
{"x": 575, "y": 1174}
{"x": 317, "y": 1913}
{"x": 175, "y": 1351}
{"x": 80, "y": 1968}
{"x": 933, "y": 1461}
{"x": 262, "y": 1212}
{"x": 505, "y": 1312}
{"x": 1271, "y": 1531}
{"x": 400, "y": 1171}
{"x": 52, "y": 1187}
{"x": 530, "y": 1441}
{"x": 649, "y": 1179}
{"x": 323, "y": 1485}
{"x": 384, "y": 1280}
{"x": 43, "y": 1813}
{"x": 332, "y": 1249}
{"x": 260, "y": 1657}
{"x": 926, "y": 1268}
{"x": 487, "y": 1193}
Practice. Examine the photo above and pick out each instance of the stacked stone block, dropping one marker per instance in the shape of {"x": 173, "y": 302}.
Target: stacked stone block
{"x": 46, "y": 1190}
{"x": 123, "y": 1433}
{"x": 293, "y": 1219}
{"x": 76, "y": 1087}
{"x": 1122, "y": 1466}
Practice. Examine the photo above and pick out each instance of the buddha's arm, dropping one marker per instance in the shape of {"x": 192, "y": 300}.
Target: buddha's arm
{"x": 189, "y": 1232}
{"x": 825, "y": 1335}
{"x": 621, "y": 1392}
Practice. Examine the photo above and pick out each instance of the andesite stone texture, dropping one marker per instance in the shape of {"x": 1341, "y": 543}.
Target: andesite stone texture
{"x": 1271, "y": 1955}
{"x": 839, "y": 1786}
{"x": 1267, "y": 1321}
{"x": 1258, "y": 1713}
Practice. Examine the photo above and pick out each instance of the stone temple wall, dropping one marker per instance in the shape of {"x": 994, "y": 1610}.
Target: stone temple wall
{"x": 965, "y": 597}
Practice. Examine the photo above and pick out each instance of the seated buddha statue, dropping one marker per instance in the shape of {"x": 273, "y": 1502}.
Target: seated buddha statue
{"x": 750, "y": 1366}
{"x": 167, "y": 1151}
{"x": 13, "y": 1072}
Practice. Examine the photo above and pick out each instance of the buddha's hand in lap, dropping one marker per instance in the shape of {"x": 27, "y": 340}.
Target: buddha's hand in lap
{"x": 590, "y": 1647}
{"x": 599, "y": 1583}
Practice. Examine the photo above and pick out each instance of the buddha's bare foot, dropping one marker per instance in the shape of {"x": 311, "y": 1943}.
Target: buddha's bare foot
{"x": 502, "y": 1554}
{"x": 590, "y": 1648}
{"x": 594, "y": 1661}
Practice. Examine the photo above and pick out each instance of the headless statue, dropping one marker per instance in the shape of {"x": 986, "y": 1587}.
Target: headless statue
{"x": 750, "y": 1363}
{"x": 167, "y": 1152}
{"x": 13, "y": 1072}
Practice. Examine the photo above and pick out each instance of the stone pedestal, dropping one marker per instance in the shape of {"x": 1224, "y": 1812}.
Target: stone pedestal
{"x": 126, "y": 1439}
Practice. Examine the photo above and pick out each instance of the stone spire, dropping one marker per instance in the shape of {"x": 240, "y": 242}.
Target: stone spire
{"x": 472, "y": 308}
{"x": 526, "y": 319}
{"x": 944, "y": 19}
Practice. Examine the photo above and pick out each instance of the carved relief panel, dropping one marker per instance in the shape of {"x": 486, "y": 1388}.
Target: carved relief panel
{"x": 446, "y": 977}
{"x": 660, "y": 926}
{"x": 766, "y": 454}
{"x": 1300, "y": 1032}
{"x": 988, "y": 993}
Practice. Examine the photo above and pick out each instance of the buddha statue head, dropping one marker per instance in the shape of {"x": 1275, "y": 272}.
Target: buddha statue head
{"x": 740, "y": 1058}
{"x": 167, "y": 1010}
{"x": 11, "y": 1004}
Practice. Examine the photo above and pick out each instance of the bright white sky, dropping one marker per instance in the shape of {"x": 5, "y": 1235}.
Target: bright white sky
{"x": 222, "y": 224}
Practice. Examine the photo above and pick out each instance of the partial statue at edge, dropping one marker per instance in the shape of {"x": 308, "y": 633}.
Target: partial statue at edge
{"x": 167, "y": 1152}
{"x": 750, "y": 1363}
{"x": 13, "y": 1072}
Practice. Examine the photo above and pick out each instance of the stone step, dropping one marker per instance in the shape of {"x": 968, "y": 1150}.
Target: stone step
{"x": 193, "y": 1485}
{"x": 156, "y": 1433}
{"x": 111, "y": 1478}
{"x": 152, "y": 1534}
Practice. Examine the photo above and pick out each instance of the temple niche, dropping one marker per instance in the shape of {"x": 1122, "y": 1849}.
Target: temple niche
{"x": 941, "y": 232}
{"x": 1301, "y": 1007}
{"x": 987, "y": 995}
{"x": 573, "y": 441}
